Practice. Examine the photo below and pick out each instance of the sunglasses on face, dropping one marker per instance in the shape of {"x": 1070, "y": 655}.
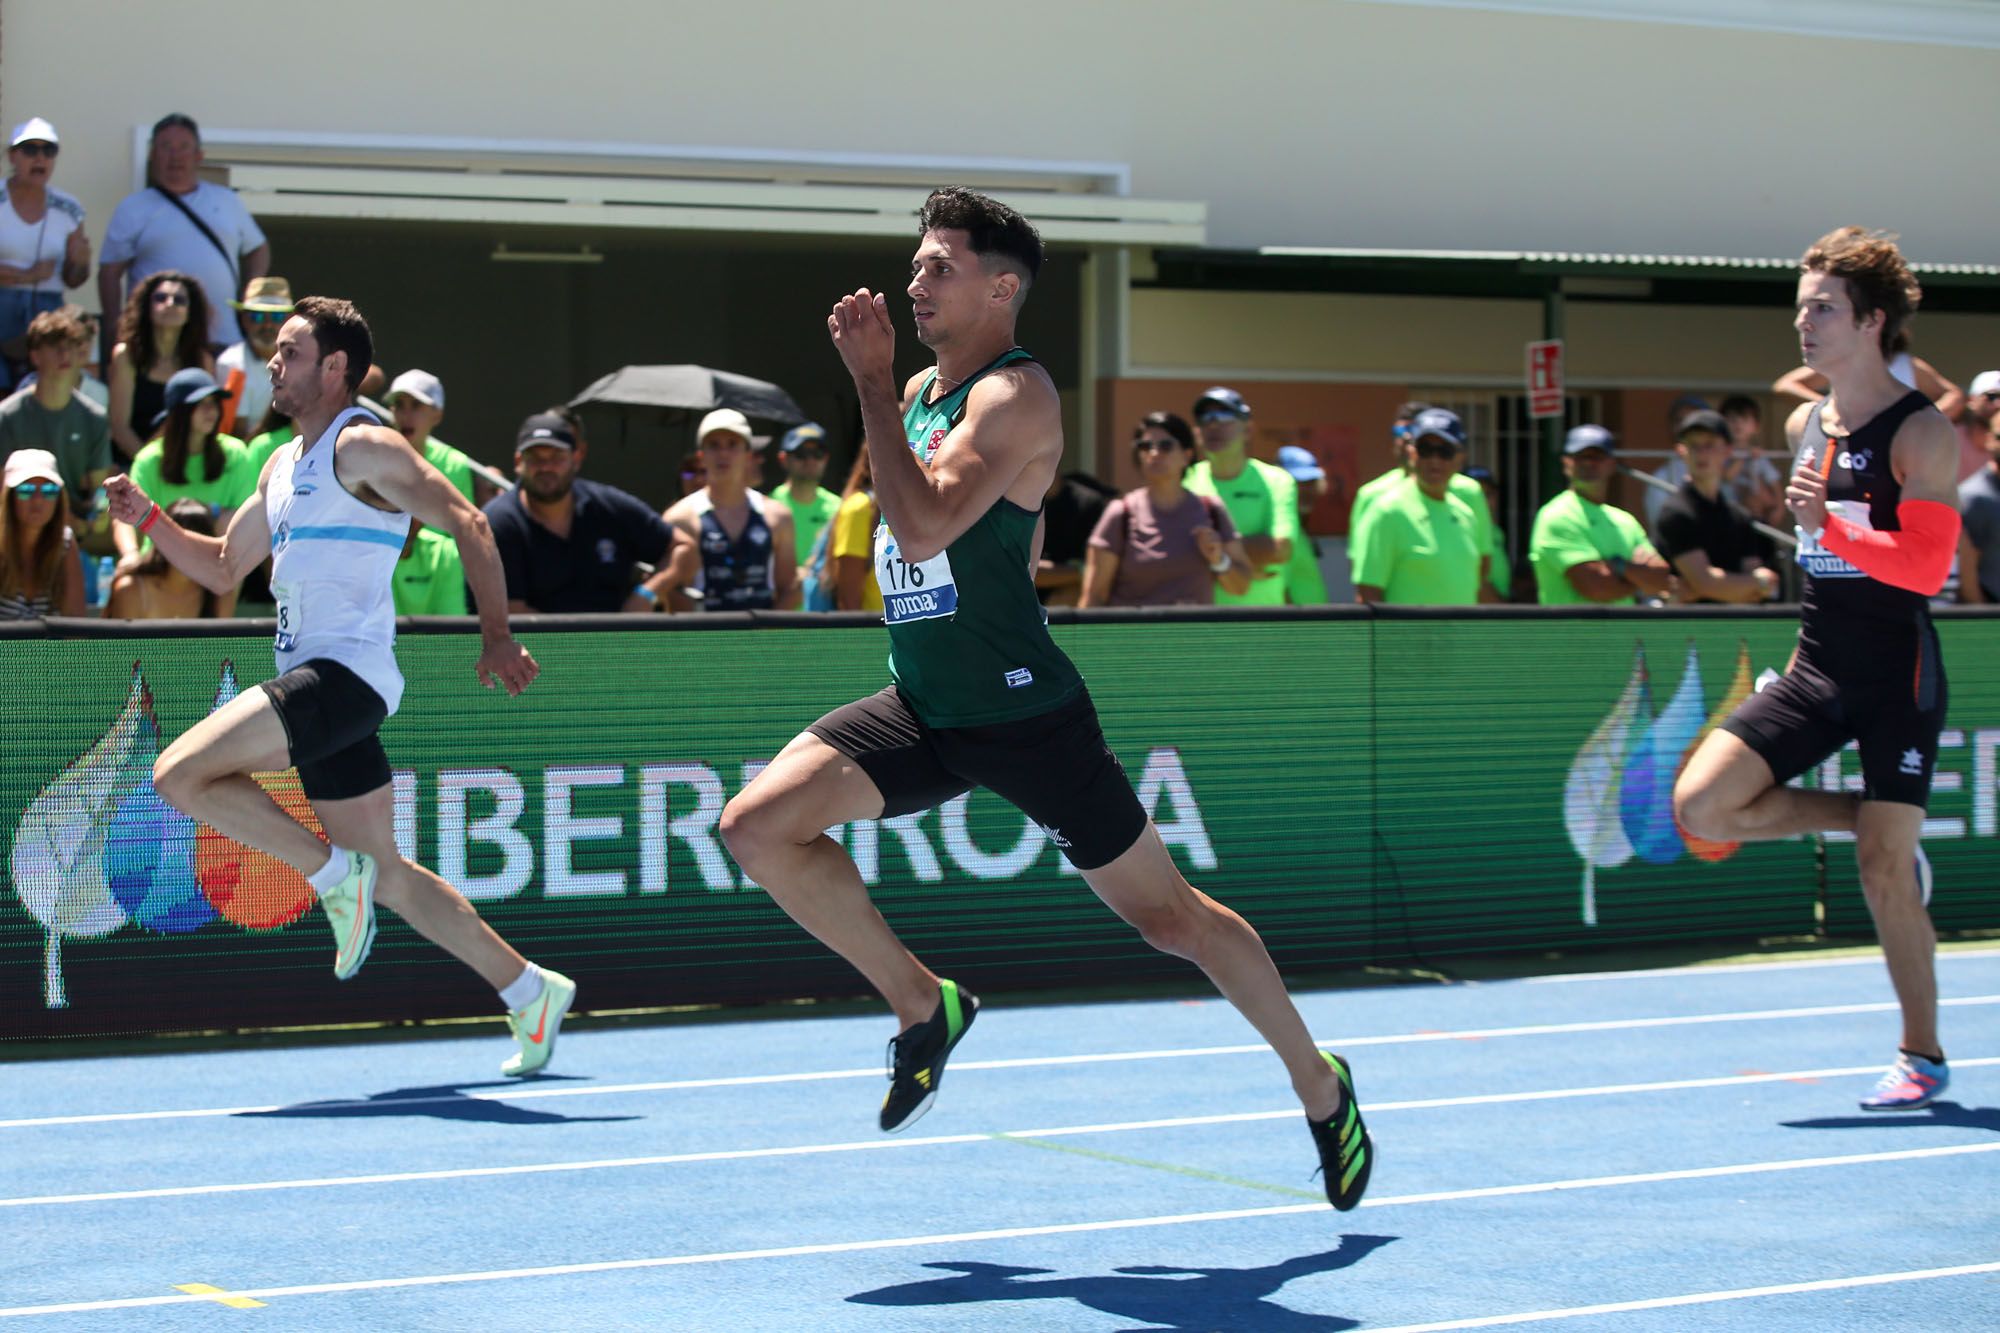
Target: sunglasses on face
{"x": 1157, "y": 446}
{"x": 809, "y": 454}
{"x": 170, "y": 298}
{"x": 47, "y": 490}
{"x": 1436, "y": 449}
{"x": 36, "y": 149}
{"x": 266, "y": 316}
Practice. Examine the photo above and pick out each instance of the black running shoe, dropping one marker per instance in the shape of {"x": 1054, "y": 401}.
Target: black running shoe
{"x": 917, "y": 1055}
{"x": 1346, "y": 1153}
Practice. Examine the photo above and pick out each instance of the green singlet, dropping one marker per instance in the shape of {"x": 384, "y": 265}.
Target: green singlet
{"x": 969, "y": 642}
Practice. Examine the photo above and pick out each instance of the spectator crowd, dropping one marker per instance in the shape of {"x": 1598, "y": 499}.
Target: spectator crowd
{"x": 172, "y": 386}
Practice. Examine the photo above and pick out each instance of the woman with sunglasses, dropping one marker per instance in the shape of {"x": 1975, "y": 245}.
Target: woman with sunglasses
{"x": 192, "y": 459}
{"x": 41, "y": 572}
{"x": 1162, "y": 544}
{"x": 43, "y": 249}
{"x": 162, "y": 330}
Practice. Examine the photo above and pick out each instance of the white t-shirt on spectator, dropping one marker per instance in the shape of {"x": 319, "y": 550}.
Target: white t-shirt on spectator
{"x": 1674, "y": 472}
{"x": 256, "y": 384}
{"x": 26, "y": 244}
{"x": 149, "y": 232}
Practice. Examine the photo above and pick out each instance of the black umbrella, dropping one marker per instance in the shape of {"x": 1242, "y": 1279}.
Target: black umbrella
{"x": 656, "y": 410}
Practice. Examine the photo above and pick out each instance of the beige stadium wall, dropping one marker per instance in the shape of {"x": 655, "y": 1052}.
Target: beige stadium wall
{"x": 1301, "y": 122}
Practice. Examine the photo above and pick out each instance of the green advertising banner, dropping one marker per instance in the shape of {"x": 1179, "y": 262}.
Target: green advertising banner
{"x": 1362, "y": 788}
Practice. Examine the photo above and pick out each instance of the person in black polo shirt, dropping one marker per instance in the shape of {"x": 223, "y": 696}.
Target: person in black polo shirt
{"x": 568, "y": 545}
{"x": 1703, "y": 533}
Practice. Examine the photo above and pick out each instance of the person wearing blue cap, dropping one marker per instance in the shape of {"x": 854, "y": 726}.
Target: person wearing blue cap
{"x": 1404, "y": 434}
{"x": 191, "y": 459}
{"x": 1262, "y": 499}
{"x": 1420, "y": 544}
{"x": 1305, "y": 585}
{"x": 1586, "y": 551}
{"x": 802, "y": 453}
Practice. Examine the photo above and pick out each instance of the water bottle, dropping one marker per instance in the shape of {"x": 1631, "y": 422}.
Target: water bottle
{"x": 97, "y": 582}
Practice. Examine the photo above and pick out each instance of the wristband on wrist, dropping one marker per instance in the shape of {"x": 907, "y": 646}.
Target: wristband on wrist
{"x": 1221, "y": 563}
{"x": 1618, "y": 565}
{"x": 643, "y": 591}
{"x": 152, "y": 517}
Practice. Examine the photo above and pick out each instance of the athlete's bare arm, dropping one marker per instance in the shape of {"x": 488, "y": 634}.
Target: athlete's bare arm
{"x": 216, "y": 563}
{"x": 379, "y": 466}
{"x": 681, "y": 514}
{"x": 1007, "y": 446}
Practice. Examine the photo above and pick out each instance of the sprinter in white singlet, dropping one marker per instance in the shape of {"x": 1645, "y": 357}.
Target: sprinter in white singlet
{"x": 333, "y": 509}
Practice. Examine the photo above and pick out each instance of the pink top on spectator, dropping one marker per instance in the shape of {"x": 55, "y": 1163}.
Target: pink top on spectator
{"x": 1159, "y": 563}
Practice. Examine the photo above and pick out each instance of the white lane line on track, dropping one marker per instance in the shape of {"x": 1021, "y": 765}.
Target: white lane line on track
{"x": 1697, "y": 972}
{"x": 928, "y": 1141}
{"x": 1699, "y": 1298}
{"x": 1004, "y": 1233}
{"x": 530, "y": 1092}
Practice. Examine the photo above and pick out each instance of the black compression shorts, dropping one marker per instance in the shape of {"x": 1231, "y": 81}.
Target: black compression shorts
{"x": 1805, "y": 716}
{"x": 1054, "y": 767}
{"x": 331, "y": 716}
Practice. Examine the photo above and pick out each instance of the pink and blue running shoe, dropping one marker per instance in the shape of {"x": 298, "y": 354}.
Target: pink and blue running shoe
{"x": 1911, "y": 1084}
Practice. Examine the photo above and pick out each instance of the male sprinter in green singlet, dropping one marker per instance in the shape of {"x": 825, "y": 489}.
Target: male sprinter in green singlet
{"x": 982, "y": 696}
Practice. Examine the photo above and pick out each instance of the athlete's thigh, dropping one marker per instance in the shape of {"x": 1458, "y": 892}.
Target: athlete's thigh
{"x": 364, "y": 823}
{"x": 1889, "y": 827}
{"x": 245, "y": 735}
{"x": 1726, "y": 770}
{"x": 1142, "y": 881}
{"x": 809, "y": 786}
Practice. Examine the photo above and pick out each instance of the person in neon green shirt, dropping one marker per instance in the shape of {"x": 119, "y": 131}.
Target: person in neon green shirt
{"x": 803, "y": 454}
{"x": 1305, "y": 585}
{"x": 416, "y": 397}
{"x": 429, "y": 578}
{"x": 1420, "y": 545}
{"x": 1464, "y": 487}
{"x": 191, "y": 459}
{"x": 1586, "y": 552}
{"x": 1262, "y": 500}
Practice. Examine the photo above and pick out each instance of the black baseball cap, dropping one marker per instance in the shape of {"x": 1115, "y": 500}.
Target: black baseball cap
{"x": 1221, "y": 401}
{"x": 1703, "y": 419}
{"x": 545, "y": 428}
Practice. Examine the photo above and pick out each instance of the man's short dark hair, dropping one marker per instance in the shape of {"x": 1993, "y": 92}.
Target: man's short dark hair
{"x": 177, "y": 120}
{"x": 1741, "y": 405}
{"x": 995, "y": 229}
{"x": 338, "y": 327}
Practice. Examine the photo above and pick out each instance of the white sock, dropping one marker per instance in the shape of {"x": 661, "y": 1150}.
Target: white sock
{"x": 330, "y": 874}
{"x": 523, "y": 990}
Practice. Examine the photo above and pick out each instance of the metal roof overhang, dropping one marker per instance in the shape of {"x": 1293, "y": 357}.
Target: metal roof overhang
{"x": 664, "y": 187}
{"x": 1536, "y": 275}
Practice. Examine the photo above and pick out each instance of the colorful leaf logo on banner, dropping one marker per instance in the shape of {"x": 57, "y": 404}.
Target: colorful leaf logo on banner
{"x": 58, "y": 855}
{"x": 1646, "y": 799}
{"x": 254, "y": 889}
{"x": 1741, "y": 687}
{"x": 149, "y": 845}
{"x": 1590, "y": 794}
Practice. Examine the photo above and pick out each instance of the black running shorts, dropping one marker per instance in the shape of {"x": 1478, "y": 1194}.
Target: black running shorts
{"x": 331, "y": 716}
{"x": 1804, "y": 716}
{"x": 1054, "y": 767}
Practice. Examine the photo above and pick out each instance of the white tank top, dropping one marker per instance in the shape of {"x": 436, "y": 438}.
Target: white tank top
{"x": 332, "y": 562}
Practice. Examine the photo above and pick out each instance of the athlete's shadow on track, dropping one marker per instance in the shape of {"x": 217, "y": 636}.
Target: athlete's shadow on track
{"x": 451, "y": 1101}
{"x": 1164, "y": 1298}
{"x": 1938, "y": 1115}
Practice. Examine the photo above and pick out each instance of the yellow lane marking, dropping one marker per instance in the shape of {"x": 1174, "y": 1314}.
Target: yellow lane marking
{"x": 221, "y": 1297}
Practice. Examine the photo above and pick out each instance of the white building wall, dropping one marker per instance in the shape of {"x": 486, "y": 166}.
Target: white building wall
{"x": 1300, "y": 122}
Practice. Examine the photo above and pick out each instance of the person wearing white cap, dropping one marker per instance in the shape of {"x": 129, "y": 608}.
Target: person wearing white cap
{"x": 748, "y": 553}
{"x": 43, "y": 248}
{"x": 41, "y": 572}
{"x": 416, "y": 398}
{"x": 1975, "y": 423}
